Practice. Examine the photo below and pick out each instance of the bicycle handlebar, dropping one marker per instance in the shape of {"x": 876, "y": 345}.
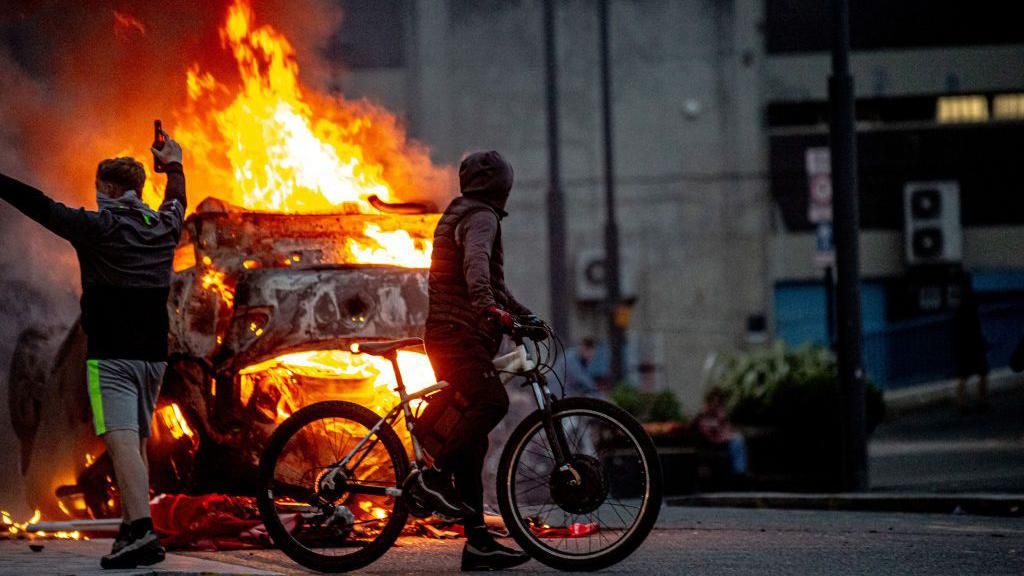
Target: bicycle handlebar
{"x": 536, "y": 331}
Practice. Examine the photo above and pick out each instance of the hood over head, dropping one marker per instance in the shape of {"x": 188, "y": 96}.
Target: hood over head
{"x": 487, "y": 176}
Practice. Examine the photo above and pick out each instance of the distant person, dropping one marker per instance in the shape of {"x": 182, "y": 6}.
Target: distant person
{"x": 714, "y": 427}
{"x": 970, "y": 349}
{"x": 124, "y": 251}
{"x": 578, "y": 380}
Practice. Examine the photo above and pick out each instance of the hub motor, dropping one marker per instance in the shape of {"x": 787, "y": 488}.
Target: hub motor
{"x": 582, "y": 487}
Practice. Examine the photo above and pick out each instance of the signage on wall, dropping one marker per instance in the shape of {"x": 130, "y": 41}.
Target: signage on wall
{"x": 819, "y": 180}
{"x": 819, "y": 203}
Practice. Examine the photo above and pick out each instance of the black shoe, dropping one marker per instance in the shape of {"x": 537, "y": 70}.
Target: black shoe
{"x": 487, "y": 554}
{"x": 142, "y": 551}
{"x": 124, "y": 536}
{"x": 440, "y": 491}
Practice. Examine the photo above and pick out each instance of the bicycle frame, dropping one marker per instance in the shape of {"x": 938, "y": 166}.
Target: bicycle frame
{"x": 534, "y": 378}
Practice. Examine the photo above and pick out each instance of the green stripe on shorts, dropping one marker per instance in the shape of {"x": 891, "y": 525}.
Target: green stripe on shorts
{"x": 95, "y": 399}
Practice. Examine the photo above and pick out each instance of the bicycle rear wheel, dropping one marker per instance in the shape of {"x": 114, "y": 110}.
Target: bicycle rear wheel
{"x": 598, "y": 513}
{"x": 322, "y": 520}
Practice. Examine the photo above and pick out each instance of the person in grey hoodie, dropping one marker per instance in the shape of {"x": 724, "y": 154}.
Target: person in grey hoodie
{"x": 125, "y": 250}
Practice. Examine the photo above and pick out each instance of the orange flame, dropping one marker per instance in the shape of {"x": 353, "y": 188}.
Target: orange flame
{"x": 268, "y": 143}
{"x": 286, "y": 151}
{"x": 332, "y": 374}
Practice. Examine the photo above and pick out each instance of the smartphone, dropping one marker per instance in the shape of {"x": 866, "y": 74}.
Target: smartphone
{"x": 158, "y": 142}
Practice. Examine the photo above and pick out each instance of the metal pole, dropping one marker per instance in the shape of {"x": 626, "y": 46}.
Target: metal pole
{"x": 611, "y": 231}
{"x": 556, "y": 202}
{"x": 830, "y": 307}
{"x": 846, "y": 222}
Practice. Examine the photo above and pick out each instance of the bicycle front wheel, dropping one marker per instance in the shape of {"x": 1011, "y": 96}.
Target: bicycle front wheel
{"x": 594, "y": 514}
{"x": 323, "y": 517}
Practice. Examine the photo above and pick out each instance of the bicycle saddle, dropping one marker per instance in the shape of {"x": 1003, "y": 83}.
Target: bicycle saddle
{"x": 386, "y": 347}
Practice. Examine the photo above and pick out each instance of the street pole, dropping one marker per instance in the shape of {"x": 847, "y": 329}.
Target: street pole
{"x": 846, "y": 222}
{"x": 556, "y": 201}
{"x": 830, "y": 307}
{"x": 611, "y": 231}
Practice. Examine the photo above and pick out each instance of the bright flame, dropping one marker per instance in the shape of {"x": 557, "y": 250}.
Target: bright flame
{"x": 293, "y": 380}
{"x": 284, "y": 153}
{"x": 270, "y": 144}
{"x": 397, "y": 248}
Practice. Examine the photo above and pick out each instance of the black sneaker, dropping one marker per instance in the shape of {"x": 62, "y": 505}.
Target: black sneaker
{"x": 124, "y": 536}
{"x": 440, "y": 491}
{"x": 142, "y": 551}
{"x": 486, "y": 554}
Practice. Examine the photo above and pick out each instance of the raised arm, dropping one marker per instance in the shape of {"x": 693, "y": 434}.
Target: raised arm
{"x": 75, "y": 225}
{"x": 170, "y": 156}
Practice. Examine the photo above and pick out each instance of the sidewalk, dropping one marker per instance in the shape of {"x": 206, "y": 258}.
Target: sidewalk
{"x": 928, "y": 396}
{"x": 928, "y": 503}
{"x": 79, "y": 558}
{"x": 926, "y": 458}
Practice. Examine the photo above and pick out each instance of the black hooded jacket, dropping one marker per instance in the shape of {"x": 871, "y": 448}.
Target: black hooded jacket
{"x": 125, "y": 251}
{"x": 467, "y": 274}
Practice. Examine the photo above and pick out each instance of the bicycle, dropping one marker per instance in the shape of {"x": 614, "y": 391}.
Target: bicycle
{"x": 335, "y": 479}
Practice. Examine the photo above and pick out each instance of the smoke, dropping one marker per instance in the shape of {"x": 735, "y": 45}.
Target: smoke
{"x": 83, "y": 81}
{"x": 35, "y": 289}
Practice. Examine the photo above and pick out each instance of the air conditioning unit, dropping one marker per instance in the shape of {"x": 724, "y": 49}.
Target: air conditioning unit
{"x": 590, "y": 276}
{"x": 931, "y": 223}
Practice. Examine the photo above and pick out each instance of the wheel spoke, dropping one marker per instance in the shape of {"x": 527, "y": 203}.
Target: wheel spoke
{"x": 353, "y": 514}
{"x": 602, "y": 446}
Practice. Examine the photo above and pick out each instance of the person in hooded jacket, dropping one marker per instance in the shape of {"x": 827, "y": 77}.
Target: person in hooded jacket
{"x": 470, "y": 306}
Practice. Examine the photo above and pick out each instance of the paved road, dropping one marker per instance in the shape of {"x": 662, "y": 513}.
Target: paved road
{"x": 688, "y": 541}
{"x": 761, "y": 542}
{"x": 937, "y": 450}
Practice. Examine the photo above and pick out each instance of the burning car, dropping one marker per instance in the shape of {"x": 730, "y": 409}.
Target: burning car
{"x": 307, "y": 245}
{"x": 265, "y": 309}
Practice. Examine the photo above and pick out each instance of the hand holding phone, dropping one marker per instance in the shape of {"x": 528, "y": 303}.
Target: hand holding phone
{"x": 159, "y": 140}
{"x": 165, "y": 150}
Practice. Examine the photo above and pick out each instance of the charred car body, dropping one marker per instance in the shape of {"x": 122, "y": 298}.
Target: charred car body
{"x": 265, "y": 309}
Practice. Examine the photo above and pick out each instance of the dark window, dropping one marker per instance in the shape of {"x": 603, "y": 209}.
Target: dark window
{"x": 803, "y": 25}
{"x": 372, "y": 34}
{"x": 983, "y": 158}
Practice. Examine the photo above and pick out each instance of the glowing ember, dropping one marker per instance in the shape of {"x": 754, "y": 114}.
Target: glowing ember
{"x": 175, "y": 421}
{"x": 215, "y": 280}
{"x": 15, "y": 528}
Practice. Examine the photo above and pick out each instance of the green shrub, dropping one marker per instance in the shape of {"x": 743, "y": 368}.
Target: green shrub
{"x": 660, "y": 406}
{"x": 787, "y": 388}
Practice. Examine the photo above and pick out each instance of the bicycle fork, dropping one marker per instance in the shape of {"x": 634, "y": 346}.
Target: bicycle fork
{"x": 556, "y": 434}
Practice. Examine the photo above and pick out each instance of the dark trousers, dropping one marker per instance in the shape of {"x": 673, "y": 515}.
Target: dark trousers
{"x": 465, "y": 363}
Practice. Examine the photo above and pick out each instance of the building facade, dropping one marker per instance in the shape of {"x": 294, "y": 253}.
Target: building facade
{"x": 714, "y": 103}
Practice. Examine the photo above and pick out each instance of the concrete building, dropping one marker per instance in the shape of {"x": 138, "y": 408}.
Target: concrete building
{"x": 704, "y": 95}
